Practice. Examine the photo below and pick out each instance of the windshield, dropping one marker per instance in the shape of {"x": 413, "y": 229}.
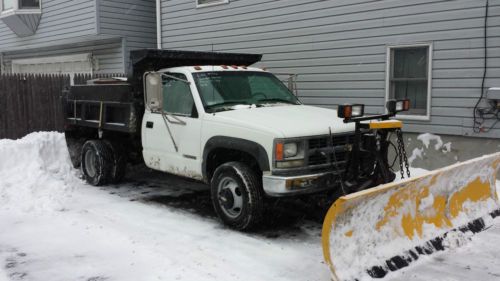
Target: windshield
{"x": 221, "y": 90}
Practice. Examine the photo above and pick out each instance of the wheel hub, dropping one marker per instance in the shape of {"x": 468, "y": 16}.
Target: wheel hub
{"x": 226, "y": 198}
{"x": 90, "y": 159}
{"x": 230, "y": 197}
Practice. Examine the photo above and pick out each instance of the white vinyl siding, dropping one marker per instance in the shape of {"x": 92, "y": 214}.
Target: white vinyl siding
{"x": 339, "y": 48}
{"x": 61, "y": 21}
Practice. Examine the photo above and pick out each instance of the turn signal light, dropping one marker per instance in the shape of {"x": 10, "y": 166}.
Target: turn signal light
{"x": 279, "y": 152}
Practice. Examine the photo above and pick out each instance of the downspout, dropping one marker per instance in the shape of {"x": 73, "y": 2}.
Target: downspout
{"x": 1, "y": 64}
{"x": 158, "y": 24}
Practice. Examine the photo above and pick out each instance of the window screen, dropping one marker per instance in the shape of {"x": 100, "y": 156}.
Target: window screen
{"x": 409, "y": 77}
{"x": 177, "y": 97}
{"x": 29, "y": 4}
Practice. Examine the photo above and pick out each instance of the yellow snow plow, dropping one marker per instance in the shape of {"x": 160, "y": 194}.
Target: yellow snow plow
{"x": 370, "y": 233}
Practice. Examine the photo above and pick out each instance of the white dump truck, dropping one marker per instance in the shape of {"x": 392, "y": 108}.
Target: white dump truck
{"x": 213, "y": 118}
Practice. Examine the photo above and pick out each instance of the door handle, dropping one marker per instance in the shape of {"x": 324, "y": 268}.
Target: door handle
{"x": 149, "y": 125}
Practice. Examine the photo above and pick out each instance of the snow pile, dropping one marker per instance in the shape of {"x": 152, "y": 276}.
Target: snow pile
{"x": 35, "y": 173}
{"x": 3, "y": 275}
{"x": 395, "y": 218}
{"x": 427, "y": 139}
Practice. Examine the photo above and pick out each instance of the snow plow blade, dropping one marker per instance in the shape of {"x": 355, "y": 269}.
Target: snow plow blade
{"x": 373, "y": 232}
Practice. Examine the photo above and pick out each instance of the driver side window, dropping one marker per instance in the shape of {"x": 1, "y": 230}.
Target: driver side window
{"x": 177, "y": 97}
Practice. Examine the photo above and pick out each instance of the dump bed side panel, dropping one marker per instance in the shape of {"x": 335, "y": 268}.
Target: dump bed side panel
{"x": 108, "y": 107}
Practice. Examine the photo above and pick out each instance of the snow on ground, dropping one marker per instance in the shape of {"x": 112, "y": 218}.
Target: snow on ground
{"x": 158, "y": 227}
{"x": 54, "y": 227}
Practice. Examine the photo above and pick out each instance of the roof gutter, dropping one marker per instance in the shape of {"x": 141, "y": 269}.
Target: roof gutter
{"x": 158, "y": 24}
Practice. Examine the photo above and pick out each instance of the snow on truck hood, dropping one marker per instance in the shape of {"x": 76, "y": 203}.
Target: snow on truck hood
{"x": 288, "y": 120}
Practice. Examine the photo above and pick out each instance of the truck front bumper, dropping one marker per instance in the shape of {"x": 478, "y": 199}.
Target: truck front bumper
{"x": 277, "y": 186}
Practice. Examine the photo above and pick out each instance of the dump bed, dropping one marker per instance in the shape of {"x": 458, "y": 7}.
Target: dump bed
{"x": 106, "y": 106}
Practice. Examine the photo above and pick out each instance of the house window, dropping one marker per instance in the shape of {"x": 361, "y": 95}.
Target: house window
{"x": 7, "y": 5}
{"x": 409, "y": 77}
{"x": 29, "y": 4}
{"x": 205, "y": 3}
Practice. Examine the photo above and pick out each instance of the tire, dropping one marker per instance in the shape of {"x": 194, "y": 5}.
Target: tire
{"x": 237, "y": 196}
{"x": 97, "y": 162}
{"x": 119, "y": 162}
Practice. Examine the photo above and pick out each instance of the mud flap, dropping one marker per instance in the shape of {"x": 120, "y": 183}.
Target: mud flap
{"x": 370, "y": 233}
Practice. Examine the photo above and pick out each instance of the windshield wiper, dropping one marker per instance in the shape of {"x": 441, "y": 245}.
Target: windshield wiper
{"x": 276, "y": 100}
{"x": 223, "y": 106}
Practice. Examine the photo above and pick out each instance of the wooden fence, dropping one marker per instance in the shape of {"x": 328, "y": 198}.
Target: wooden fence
{"x": 31, "y": 102}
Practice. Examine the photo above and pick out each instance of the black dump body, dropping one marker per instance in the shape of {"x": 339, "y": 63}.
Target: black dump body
{"x": 105, "y": 106}
{"x": 117, "y": 105}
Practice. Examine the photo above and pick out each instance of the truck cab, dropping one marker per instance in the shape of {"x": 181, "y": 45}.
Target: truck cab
{"x": 235, "y": 127}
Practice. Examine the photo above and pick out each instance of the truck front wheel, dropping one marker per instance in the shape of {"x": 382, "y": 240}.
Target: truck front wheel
{"x": 237, "y": 195}
{"x": 97, "y": 162}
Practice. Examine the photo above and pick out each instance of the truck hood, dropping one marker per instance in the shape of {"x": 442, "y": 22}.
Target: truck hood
{"x": 289, "y": 121}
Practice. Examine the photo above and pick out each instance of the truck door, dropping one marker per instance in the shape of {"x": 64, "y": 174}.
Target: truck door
{"x": 171, "y": 137}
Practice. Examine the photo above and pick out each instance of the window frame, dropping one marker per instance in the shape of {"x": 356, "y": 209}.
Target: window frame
{"x": 221, "y": 2}
{"x": 389, "y": 69}
{"x": 16, "y": 9}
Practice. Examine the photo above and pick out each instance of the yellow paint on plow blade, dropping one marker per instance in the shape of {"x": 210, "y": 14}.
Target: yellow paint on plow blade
{"x": 407, "y": 208}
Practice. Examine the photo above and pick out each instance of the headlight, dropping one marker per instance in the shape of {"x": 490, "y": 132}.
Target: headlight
{"x": 290, "y": 150}
{"x": 395, "y": 106}
{"x": 348, "y": 111}
{"x": 289, "y": 154}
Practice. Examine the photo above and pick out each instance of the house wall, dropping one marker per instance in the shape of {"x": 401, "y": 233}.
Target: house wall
{"x": 134, "y": 20}
{"x": 108, "y": 29}
{"x": 339, "y": 47}
{"x": 61, "y": 20}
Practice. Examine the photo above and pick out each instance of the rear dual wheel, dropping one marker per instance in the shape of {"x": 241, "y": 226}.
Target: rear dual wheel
{"x": 102, "y": 162}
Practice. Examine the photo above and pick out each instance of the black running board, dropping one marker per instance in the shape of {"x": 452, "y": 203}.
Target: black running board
{"x": 432, "y": 246}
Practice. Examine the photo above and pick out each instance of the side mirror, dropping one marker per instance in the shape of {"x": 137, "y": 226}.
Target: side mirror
{"x": 395, "y": 106}
{"x": 153, "y": 91}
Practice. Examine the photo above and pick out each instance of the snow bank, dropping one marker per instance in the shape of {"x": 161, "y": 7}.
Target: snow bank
{"x": 3, "y": 275}
{"x": 35, "y": 173}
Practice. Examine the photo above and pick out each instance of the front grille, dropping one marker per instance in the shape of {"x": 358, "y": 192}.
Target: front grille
{"x": 320, "y": 153}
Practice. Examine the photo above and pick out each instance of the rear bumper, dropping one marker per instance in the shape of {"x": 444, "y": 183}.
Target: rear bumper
{"x": 278, "y": 186}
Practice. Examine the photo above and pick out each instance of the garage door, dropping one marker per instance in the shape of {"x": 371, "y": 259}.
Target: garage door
{"x": 81, "y": 63}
